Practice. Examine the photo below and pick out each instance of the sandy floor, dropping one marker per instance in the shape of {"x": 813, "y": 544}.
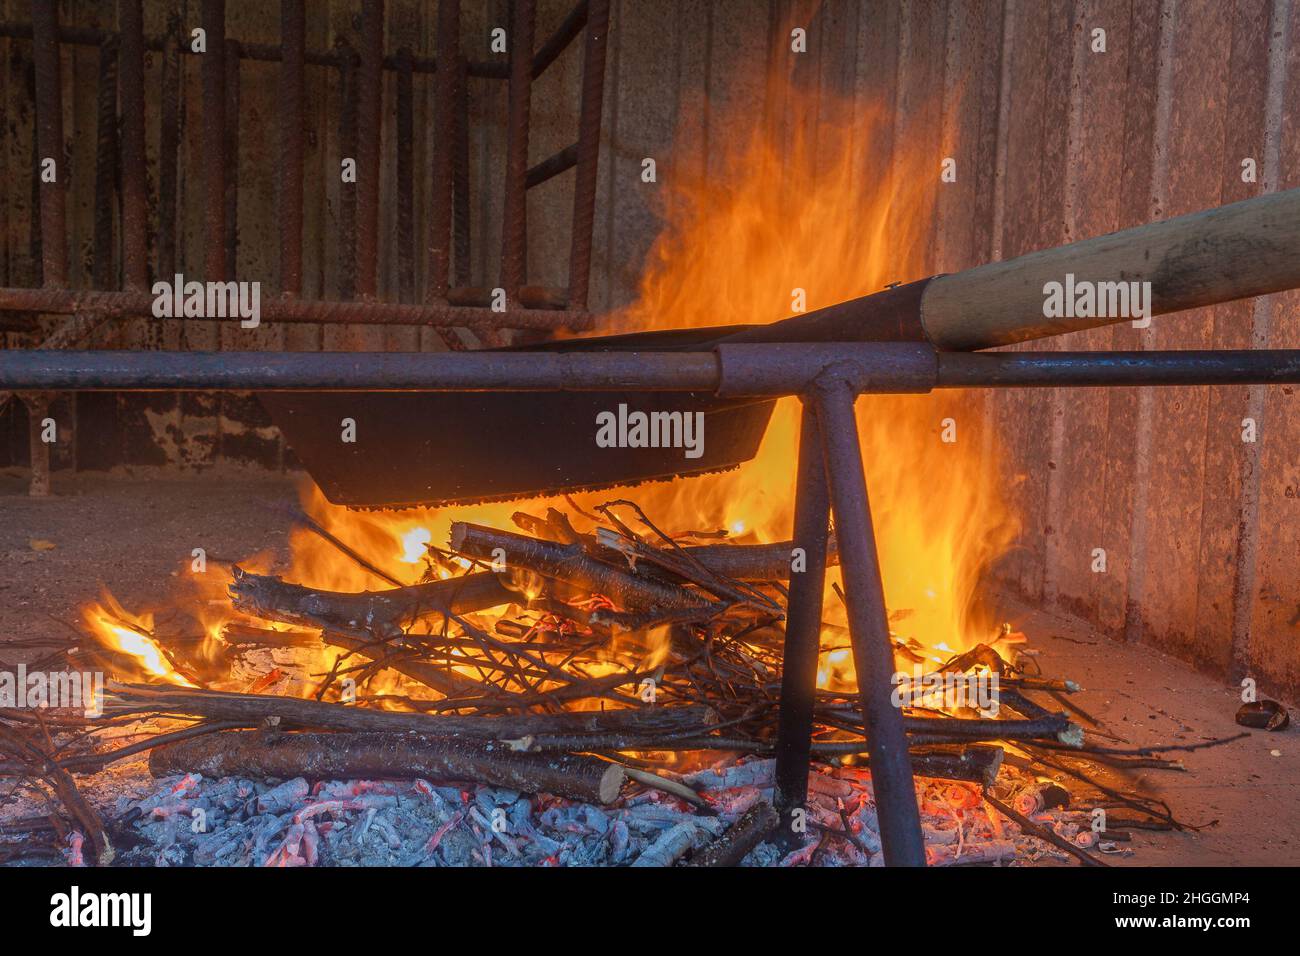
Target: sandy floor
{"x": 131, "y": 533}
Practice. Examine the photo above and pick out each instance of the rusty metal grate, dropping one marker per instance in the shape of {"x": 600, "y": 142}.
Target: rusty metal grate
{"x": 449, "y": 301}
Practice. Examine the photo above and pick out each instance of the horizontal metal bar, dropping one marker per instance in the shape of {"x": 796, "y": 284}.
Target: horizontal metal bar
{"x": 264, "y": 52}
{"x": 787, "y": 370}
{"x": 1084, "y": 369}
{"x": 357, "y": 371}
{"x": 273, "y": 309}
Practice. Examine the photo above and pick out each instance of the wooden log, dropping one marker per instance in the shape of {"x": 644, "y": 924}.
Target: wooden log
{"x": 1049, "y": 727}
{"x": 571, "y": 563}
{"x": 297, "y": 712}
{"x": 1244, "y": 249}
{"x": 758, "y": 822}
{"x": 741, "y": 562}
{"x": 441, "y": 679}
{"x": 378, "y": 613}
{"x": 679, "y": 840}
{"x": 388, "y": 756}
{"x": 977, "y": 763}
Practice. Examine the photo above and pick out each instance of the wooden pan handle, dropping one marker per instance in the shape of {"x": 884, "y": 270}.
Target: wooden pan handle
{"x": 1232, "y": 252}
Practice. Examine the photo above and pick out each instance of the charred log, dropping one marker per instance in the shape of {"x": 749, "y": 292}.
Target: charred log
{"x": 381, "y": 613}
{"x": 572, "y": 564}
{"x": 757, "y": 824}
{"x": 297, "y": 712}
{"x": 391, "y": 756}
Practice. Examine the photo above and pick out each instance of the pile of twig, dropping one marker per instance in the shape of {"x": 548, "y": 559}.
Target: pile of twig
{"x": 683, "y": 638}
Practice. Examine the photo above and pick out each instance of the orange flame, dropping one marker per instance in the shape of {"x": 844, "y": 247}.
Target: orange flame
{"x": 786, "y": 220}
{"x": 131, "y": 635}
{"x": 786, "y": 215}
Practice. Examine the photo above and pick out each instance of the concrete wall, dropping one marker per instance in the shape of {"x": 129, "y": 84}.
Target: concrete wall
{"x": 1054, "y": 142}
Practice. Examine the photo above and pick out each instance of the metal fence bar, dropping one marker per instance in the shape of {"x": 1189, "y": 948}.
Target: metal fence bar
{"x": 514, "y": 227}
{"x": 135, "y": 201}
{"x": 584, "y": 190}
{"x": 347, "y": 249}
{"x": 106, "y": 169}
{"x": 370, "y": 121}
{"x": 231, "y": 185}
{"x": 260, "y": 52}
{"x": 214, "y": 139}
{"x": 448, "y": 45}
{"x": 169, "y": 151}
{"x": 49, "y": 143}
{"x": 135, "y": 304}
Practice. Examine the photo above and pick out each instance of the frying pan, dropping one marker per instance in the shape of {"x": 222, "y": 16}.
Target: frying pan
{"x": 435, "y": 448}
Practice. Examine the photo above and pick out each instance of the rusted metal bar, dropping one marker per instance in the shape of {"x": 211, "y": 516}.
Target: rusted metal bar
{"x": 169, "y": 150}
{"x": 101, "y": 272}
{"x": 444, "y": 118}
{"x": 521, "y": 370}
{"x": 49, "y": 143}
{"x": 232, "y": 157}
{"x": 1085, "y": 369}
{"x": 38, "y": 407}
{"x": 552, "y": 166}
{"x": 559, "y": 41}
{"x": 135, "y": 248}
{"x": 460, "y": 217}
{"x": 803, "y": 622}
{"x": 347, "y": 253}
{"x": 514, "y": 226}
{"x": 293, "y": 43}
{"x": 213, "y": 19}
{"x": 584, "y": 190}
{"x": 123, "y": 370}
{"x": 370, "y": 121}
{"x": 873, "y": 653}
{"x": 34, "y": 222}
{"x": 405, "y": 178}
{"x": 260, "y": 52}
{"x": 133, "y": 304}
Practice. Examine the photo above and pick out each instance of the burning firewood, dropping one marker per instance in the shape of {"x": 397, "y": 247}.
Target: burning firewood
{"x": 376, "y": 613}
{"x": 755, "y": 826}
{"x": 393, "y": 756}
{"x": 297, "y": 712}
{"x": 571, "y": 563}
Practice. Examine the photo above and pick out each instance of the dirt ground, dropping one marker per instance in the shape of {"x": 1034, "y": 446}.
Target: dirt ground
{"x": 131, "y": 533}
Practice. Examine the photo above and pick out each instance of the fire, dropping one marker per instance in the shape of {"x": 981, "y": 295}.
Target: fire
{"x": 786, "y": 221}
{"x": 783, "y": 218}
{"x": 790, "y": 216}
{"x": 126, "y": 634}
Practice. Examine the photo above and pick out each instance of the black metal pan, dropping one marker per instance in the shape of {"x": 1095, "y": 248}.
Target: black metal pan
{"x": 433, "y": 448}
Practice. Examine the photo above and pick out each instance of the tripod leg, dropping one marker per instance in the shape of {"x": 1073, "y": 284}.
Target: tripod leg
{"x": 873, "y": 656}
{"x": 802, "y": 631}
